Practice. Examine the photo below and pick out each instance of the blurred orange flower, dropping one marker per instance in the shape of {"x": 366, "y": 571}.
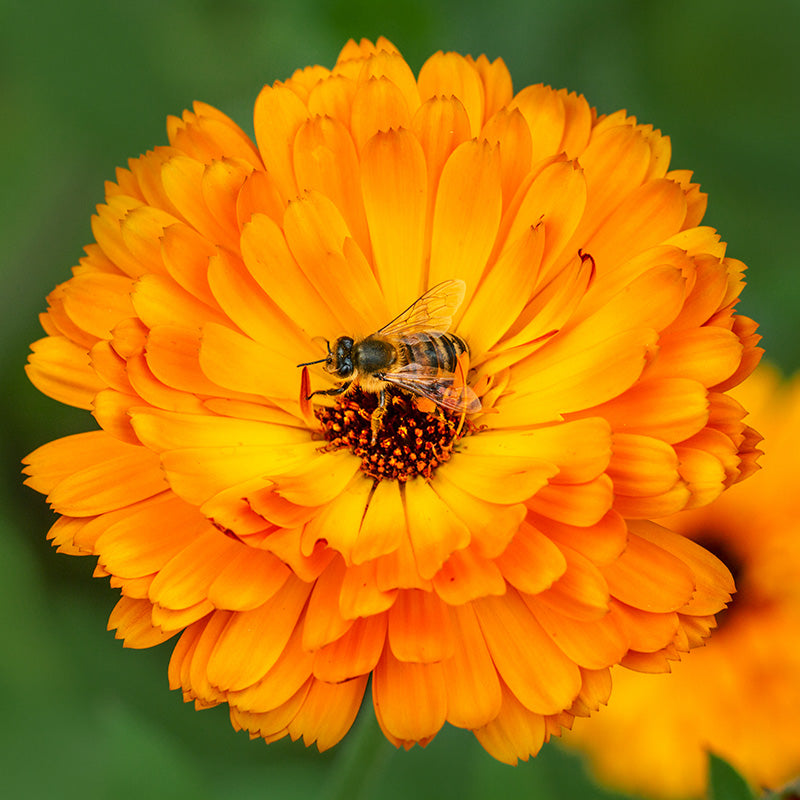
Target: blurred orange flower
{"x": 739, "y": 696}
{"x": 485, "y": 571}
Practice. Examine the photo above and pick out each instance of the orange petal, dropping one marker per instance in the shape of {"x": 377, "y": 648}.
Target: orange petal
{"x": 450, "y": 74}
{"x": 642, "y": 465}
{"x": 542, "y": 678}
{"x": 556, "y": 198}
{"x": 131, "y": 620}
{"x": 433, "y": 530}
{"x": 581, "y": 592}
{"x": 601, "y": 543}
{"x": 569, "y": 379}
{"x": 473, "y": 689}
{"x": 509, "y": 129}
{"x": 466, "y": 214}
{"x": 591, "y": 644}
{"x": 354, "y": 654}
{"x": 491, "y": 525}
{"x": 514, "y": 733}
{"x": 269, "y": 260}
{"x": 185, "y": 579}
{"x": 440, "y": 125}
{"x": 508, "y": 285}
{"x": 410, "y": 698}
{"x": 252, "y": 641}
{"x": 545, "y": 115}
{"x": 420, "y": 628}
{"x": 378, "y": 106}
{"x": 281, "y": 682}
{"x": 135, "y": 545}
{"x": 383, "y": 525}
{"x": 713, "y": 582}
{"x": 326, "y": 161}
{"x": 322, "y": 622}
{"x": 671, "y": 409}
{"x": 649, "y": 577}
{"x": 467, "y": 575}
{"x": 361, "y": 596}
{"x": 393, "y": 181}
{"x": 708, "y": 355}
{"x": 327, "y": 712}
{"x": 248, "y": 581}
{"x": 277, "y": 116}
{"x": 581, "y": 504}
{"x": 61, "y": 369}
{"x": 531, "y": 562}
{"x": 115, "y": 477}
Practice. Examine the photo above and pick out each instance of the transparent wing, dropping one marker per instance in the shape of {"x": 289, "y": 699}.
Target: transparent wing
{"x": 431, "y": 312}
{"x": 440, "y": 387}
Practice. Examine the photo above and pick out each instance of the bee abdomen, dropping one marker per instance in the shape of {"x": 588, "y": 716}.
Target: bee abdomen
{"x": 435, "y": 349}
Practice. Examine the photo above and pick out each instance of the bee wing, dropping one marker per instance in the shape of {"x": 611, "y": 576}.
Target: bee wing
{"x": 431, "y": 312}
{"x": 438, "y": 386}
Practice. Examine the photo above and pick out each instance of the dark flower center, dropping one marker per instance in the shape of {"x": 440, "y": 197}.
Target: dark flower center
{"x": 409, "y": 442}
{"x": 717, "y": 543}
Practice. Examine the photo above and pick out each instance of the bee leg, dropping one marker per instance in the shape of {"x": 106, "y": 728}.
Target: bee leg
{"x": 378, "y": 414}
{"x": 341, "y": 389}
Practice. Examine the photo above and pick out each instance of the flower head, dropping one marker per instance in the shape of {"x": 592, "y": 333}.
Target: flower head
{"x": 485, "y": 561}
{"x": 739, "y": 696}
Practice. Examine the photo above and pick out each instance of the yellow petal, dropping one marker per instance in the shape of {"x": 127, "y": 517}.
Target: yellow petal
{"x": 378, "y": 106}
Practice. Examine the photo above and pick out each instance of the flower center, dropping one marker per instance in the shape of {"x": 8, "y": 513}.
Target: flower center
{"x": 716, "y": 542}
{"x": 409, "y": 442}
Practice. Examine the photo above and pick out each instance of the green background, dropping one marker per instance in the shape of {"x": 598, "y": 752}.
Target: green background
{"x": 84, "y": 86}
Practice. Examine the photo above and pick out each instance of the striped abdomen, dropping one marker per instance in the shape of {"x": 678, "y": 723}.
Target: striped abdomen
{"x": 432, "y": 349}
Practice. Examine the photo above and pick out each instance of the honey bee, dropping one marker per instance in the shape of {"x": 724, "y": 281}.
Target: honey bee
{"x": 413, "y": 352}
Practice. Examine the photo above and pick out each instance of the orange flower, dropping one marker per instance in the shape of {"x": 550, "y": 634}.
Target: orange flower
{"x": 486, "y": 571}
{"x": 739, "y": 696}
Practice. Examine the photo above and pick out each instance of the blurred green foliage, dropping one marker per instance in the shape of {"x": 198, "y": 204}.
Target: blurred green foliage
{"x": 86, "y": 84}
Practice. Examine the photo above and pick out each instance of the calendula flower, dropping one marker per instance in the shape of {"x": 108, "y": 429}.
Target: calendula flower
{"x": 485, "y": 561}
{"x": 739, "y": 696}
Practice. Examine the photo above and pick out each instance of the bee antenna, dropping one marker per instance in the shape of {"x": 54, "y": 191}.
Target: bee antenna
{"x": 309, "y": 363}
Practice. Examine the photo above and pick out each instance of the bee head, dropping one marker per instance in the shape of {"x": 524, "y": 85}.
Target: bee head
{"x": 340, "y": 360}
